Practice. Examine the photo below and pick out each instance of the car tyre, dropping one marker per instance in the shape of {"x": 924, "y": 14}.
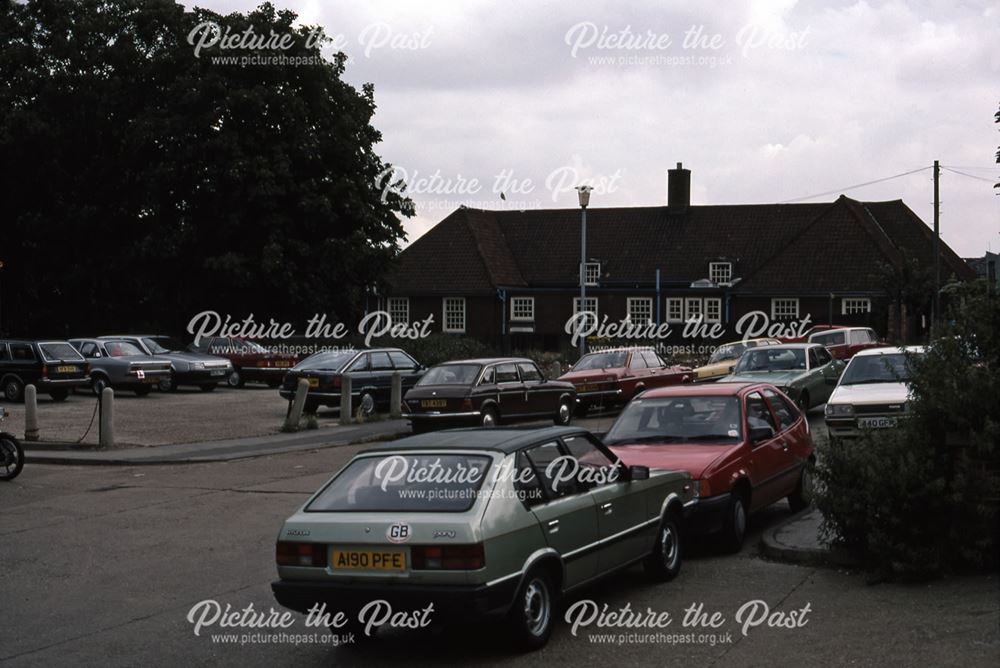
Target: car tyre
{"x": 802, "y": 497}
{"x": 168, "y": 385}
{"x": 664, "y": 563}
{"x": 488, "y": 417}
{"x": 59, "y": 395}
{"x": 236, "y": 380}
{"x": 13, "y": 390}
{"x": 564, "y": 414}
{"x": 734, "y": 530}
{"x": 98, "y": 383}
{"x": 533, "y": 611}
{"x": 11, "y": 458}
{"x": 366, "y": 405}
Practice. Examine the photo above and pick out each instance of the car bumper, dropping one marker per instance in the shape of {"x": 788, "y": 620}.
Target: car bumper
{"x": 708, "y": 515}
{"x": 449, "y": 600}
{"x": 263, "y": 372}
{"x": 201, "y": 376}
{"x": 599, "y": 396}
{"x": 849, "y": 427}
{"x": 45, "y": 385}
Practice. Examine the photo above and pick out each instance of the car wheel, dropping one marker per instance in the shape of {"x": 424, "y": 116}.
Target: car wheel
{"x": 168, "y": 385}
{"x": 664, "y": 563}
{"x": 11, "y": 458}
{"x": 59, "y": 395}
{"x": 565, "y": 413}
{"x": 803, "y": 402}
{"x": 488, "y": 417}
{"x": 735, "y": 528}
{"x": 143, "y": 391}
{"x": 236, "y": 380}
{"x": 13, "y": 390}
{"x": 533, "y": 609}
{"x": 98, "y": 383}
{"x": 802, "y": 497}
{"x": 366, "y": 407}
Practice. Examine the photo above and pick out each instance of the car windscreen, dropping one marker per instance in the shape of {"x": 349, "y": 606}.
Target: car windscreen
{"x": 121, "y": 349}
{"x": 728, "y": 351}
{"x": 405, "y": 483}
{"x": 59, "y": 351}
{"x": 159, "y": 345}
{"x": 865, "y": 369}
{"x": 326, "y": 361}
{"x": 608, "y": 360}
{"x": 451, "y": 374}
{"x": 771, "y": 359}
{"x": 689, "y": 419}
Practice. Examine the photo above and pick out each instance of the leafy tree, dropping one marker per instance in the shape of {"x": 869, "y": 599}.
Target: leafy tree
{"x": 142, "y": 182}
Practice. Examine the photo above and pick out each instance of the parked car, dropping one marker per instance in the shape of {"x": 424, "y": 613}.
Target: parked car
{"x": 873, "y": 392}
{"x": 724, "y": 358}
{"x": 482, "y": 544}
{"x": 53, "y": 367}
{"x": 121, "y": 366}
{"x": 804, "y": 371}
{"x": 487, "y": 392}
{"x": 189, "y": 368}
{"x": 809, "y": 332}
{"x": 251, "y": 361}
{"x": 746, "y": 445}
{"x": 370, "y": 372}
{"x": 845, "y": 342}
{"x": 613, "y": 377}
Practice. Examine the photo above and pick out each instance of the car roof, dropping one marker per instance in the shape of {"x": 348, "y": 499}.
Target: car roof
{"x": 794, "y": 346}
{"x": 621, "y": 349}
{"x": 889, "y": 350}
{"x": 719, "y": 388}
{"x": 502, "y": 439}
{"x": 487, "y": 360}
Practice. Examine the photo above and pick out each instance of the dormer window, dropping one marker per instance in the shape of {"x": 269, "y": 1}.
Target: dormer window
{"x": 592, "y": 273}
{"x": 720, "y": 272}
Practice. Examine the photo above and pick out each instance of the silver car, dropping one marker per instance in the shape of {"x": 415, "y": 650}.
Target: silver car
{"x": 121, "y": 366}
{"x": 479, "y": 522}
{"x": 189, "y": 368}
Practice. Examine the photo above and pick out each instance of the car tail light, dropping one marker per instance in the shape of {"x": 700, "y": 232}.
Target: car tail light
{"x": 336, "y": 382}
{"x": 300, "y": 554}
{"x": 447, "y": 557}
{"x": 703, "y": 488}
{"x": 467, "y": 405}
{"x": 45, "y": 370}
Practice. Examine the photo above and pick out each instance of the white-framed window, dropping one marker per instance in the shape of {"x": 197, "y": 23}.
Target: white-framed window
{"x": 592, "y": 273}
{"x": 522, "y": 308}
{"x": 454, "y": 314}
{"x": 399, "y": 310}
{"x": 590, "y": 306}
{"x": 640, "y": 310}
{"x": 675, "y": 309}
{"x": 720, "y": 272}
{"x": 692, "y": 308}
{"x": 713, "y": 309}
{"x": 851, "y": 305}
{"x": 784, "y": 307}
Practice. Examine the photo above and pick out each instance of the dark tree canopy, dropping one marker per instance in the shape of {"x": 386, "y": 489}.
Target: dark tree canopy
{"x": 142, "y": 184}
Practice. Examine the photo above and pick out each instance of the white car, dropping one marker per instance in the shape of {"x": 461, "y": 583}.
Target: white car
{"x": 872, "y": 392}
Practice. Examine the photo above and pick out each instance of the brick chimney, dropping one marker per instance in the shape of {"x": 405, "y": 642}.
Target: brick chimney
{"x": 678, "y": 188}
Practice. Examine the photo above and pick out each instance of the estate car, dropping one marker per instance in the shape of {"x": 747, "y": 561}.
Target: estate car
{"x": 53, "y": 367}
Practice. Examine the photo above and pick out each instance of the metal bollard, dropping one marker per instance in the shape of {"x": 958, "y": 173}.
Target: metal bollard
{"x": 396, "y": 396}
{"x": 345, "y": 400}
{"x": 297, "y": 405}
{"x": 30, "y": 413}
{"x": 107, "y": 418}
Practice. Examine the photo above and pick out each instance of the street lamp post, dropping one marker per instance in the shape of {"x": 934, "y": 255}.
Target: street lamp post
{"x": 584, "y": 195}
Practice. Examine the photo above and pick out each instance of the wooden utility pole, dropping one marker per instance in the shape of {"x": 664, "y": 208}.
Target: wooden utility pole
{"x": 936, "y": 315}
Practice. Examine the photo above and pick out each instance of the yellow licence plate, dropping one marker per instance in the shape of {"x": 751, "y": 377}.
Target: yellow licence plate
{"x": 67, "y": 369}
{"x": 369, "y": 560}
{"x": 282, "y": 365}
{"x": 586, "y": 388}
{"x": 433, "y": 403}
{"x": 313, "y": 383}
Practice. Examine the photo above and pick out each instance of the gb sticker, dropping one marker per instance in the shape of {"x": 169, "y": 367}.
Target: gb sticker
{"x": 399, "y": 532}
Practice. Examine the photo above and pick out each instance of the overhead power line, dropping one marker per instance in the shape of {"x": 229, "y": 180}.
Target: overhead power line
{"x": 971, "y": 176}
{"x": 857, "y": 185}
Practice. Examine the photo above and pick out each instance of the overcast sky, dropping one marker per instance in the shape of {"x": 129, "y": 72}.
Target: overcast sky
{"x": 766, "y": 102}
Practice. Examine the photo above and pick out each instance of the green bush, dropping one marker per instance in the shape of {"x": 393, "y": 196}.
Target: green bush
{"x": 922, "y": 499}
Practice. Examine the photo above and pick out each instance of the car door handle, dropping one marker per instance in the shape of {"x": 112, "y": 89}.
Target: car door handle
{"x": 606, "y": 507}
{"x": 553, "y": 526}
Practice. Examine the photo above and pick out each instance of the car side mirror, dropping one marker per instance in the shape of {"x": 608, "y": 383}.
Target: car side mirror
{"x": 638, "y": 473}
{"x": 758, "y": 434}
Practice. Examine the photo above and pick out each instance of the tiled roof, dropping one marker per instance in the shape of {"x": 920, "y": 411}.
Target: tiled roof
{"x": 805, "y": 247}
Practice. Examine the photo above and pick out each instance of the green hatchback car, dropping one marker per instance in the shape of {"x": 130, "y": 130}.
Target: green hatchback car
{"x": 806, "y": 372}
{"x": 477, "y": 523}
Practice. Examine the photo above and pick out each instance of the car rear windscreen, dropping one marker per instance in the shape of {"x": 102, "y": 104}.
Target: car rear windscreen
{"x": 405, "y": 483}
{"x": 59, "y": 351}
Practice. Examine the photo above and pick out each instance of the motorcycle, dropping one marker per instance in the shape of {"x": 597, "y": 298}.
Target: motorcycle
{"x": 11, "y": 453}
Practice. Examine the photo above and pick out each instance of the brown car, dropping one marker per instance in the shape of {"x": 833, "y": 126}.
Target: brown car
{"x": 487, "y": 392}
{"x": 612, "y": 377}
{"x": 251, "y": 361}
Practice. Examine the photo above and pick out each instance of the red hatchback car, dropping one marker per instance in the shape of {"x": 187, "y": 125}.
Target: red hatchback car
{"x": 251, "y": 361}
{"x": 746, "y": 444}
{"x": 613, "y": 377}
